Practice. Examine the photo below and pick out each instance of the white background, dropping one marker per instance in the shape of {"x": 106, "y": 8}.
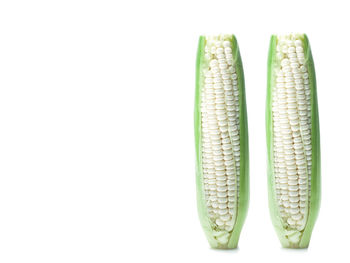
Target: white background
{"x": 96, "y": 128}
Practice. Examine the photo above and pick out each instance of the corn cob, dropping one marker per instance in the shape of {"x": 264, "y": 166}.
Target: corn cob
{"x": 221, "y": 140}
{"x": 292, "y": 140}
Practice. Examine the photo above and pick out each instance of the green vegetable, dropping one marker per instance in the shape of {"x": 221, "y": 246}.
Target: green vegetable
{"x": 293, "y": 140}
{"x": 221, "y": 139}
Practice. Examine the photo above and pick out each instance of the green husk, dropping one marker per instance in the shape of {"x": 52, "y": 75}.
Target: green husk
{"x": 288, "y": 238}
{"x": 212, "y": 235}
